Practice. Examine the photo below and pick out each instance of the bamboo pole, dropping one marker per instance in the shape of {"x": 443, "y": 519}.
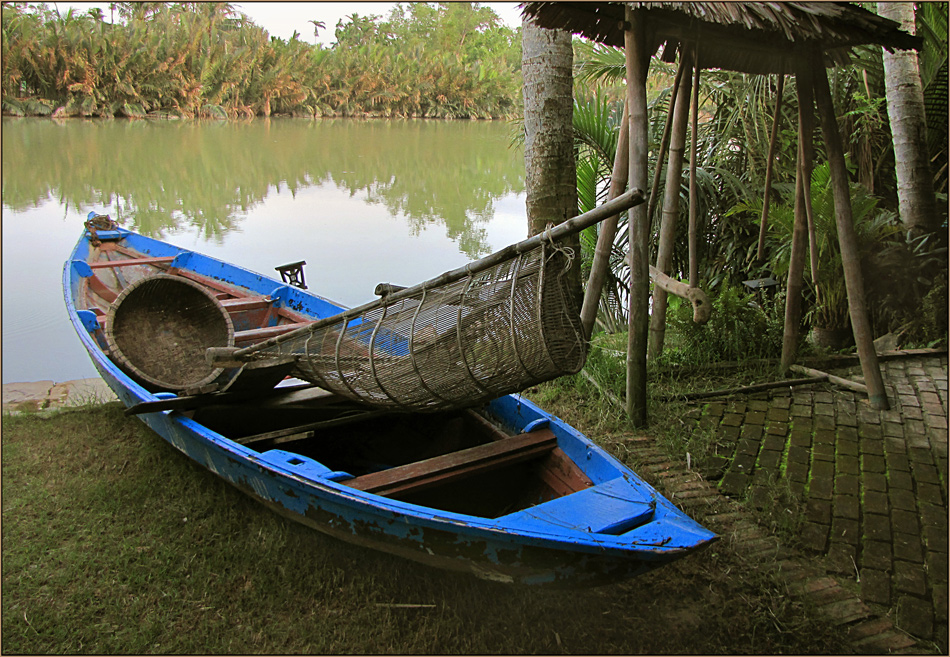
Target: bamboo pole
{"x": 837, "y": 380}
{"x": 671, "y": 204}
{"x": 665, "y": 140}
{"x": 796, "y": 267}
{"x": 773, "y": 138}
{"x": 572, "y": 226}
{"x": 605, "y": 238}
{"x": 637, "y": 63}
{"x": 693, "y": 189}
{"x": 850, "y": 257}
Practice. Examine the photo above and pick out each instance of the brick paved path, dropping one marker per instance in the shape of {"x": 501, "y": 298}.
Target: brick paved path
{"x": 873, "y": 483}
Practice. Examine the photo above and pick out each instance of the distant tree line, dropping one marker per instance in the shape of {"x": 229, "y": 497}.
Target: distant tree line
{"x": 205, "y": 59}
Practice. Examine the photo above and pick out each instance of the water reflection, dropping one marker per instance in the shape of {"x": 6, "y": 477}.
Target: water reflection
{"x": 160, "y": 176}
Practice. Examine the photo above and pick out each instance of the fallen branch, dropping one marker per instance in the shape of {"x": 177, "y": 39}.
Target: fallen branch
{"x": 759, "y": 387}
{"x": 837, "y": 380}
{"x": 702, "y": 309}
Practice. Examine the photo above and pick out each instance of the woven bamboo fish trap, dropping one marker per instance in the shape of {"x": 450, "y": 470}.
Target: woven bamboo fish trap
{"x": 496, "y": 326}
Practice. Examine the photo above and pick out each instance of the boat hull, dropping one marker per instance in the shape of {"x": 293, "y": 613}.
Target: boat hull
{"x": 497, "y": 549}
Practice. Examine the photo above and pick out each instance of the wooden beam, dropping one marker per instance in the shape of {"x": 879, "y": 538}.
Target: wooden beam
{"x": 102, "y": 264}
{"x": 831, "y": 378}
{"x": 457, "y": 465}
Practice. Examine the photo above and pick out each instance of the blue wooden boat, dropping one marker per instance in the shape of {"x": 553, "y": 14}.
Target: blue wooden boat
{"x": 505, "y": 491}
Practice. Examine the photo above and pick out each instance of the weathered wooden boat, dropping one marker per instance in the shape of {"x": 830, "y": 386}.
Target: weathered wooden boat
{"x": 504, "y": 490}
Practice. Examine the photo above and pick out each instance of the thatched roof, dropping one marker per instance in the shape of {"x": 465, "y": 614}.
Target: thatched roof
{"x": 752, "y": 37}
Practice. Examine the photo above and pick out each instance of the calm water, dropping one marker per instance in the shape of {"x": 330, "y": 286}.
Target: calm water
{"x": 361, "y": 201}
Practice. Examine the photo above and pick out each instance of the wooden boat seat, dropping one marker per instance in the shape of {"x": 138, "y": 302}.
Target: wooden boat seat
{"x": 457, "y": 465}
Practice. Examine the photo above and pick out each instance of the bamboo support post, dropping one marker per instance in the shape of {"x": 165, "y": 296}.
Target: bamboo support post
{"x": 769, "y": 164}
{"x": 850, "y": 258}
{"x": 796, "y": 268}
{"x": 637, "y": 64}
{"x": 693, "y": 188}
{"x": 831, "y": 378}
{"x": 608, "y": 230}
{"x": 671, "y": 203}
{"x": 665, "y": 140}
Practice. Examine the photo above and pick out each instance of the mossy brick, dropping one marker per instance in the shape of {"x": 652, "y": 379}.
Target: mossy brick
{"x": 715, "y": 409}
{"x": 758, "y": 405}
{"x": 845, "y": 531}
{"x": 848, "y": 486}
{"x": 915, "y": 616}
{"x": 929, "y": 493}
{"x": 846, "y": 405}
{"x": 908, "y": 400}
{"x": 912, "y": 413}
{"x": 843, "y": 419}
{"x": 885, "y": 643}
{"x": 872, "y": 627}
{"x": 867, "y": 415}
{"x": 755, "y": 417}
{"x": 847, "y": 465}
{"x": 847, "y": 611}
{"x": 797, "y": 472}
{"x": 800, "y": 437}
{"x": 797, "y": 454}
{"x": 903, "y": 499}
{"x": 868, "y": 446}
{"x": 904, "y": 522}
{"x": 734, "y": 484}
{"x": 800, "y": 410}
{"x": 751, "y": 432}
{"x": 846, "y": 506}
{"x": 937, "y": 567}
{"x": 876, "y": 554}
{"x": 926, "y": 473}
{"x": 780, "y": 399}
{"x": 898, "y": 480}
{"x": 908, "y": 547}
{"x": 893, "y": 429}
{"x": 928, "y": 397}
{"x": 873, "y": 463}
{"x": 872, "y": 481}
{"x": 736, "y": 406}
{"x": 821, "y": 488}
{"x": 909, "y": 578}
{"x": 913, "y": 428}
{"x": 823, "y": 423}
{"x": 845, "y": 447}
{"x": 875, "y": 586}
{"x": 933, "y": 515}
{"x": 818, "y": 511}
{"x": 841, "y": 559}
{"x": 919, "y": 455}
{"x": 731, "y": 420}
{"x": 796, "y": 486}
{"x": 897, "y": 462}
{"x": 747, "y": 448}
{"x": 824, "y": 437}
{"x": 895, "y": 446}
{"x": 939, "y": 597}
{"x": 777, "y": 429}
{"x": 777, "y": 415}
{"x": 823, "y": 452}
{"x": 814, "y": 536}
{"x": 774, "y": 443}
{"x": 877, "y": 527}
{"x": 823, "y": 397}
{"x": 770, "y": 459}
{"x": 874, "y": 501}
{"x": 727, "y": 435}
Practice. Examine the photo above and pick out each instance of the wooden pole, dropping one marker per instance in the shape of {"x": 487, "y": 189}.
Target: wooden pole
{"x": 760, "y": 256}
{"x": 637, "y": 62}
{"x": 693, "y": 189}
{"x": 850, "y": 257}
{"x": 796, "y": 267}
{"x": 608, "y": 230}
{"x": 665, "y": 140}
{"x": 671, "y": 205}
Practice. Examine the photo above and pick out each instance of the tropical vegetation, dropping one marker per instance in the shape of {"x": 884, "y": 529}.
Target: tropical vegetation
{"x": 205, "y": 59}
{"x": 736, "y": 115}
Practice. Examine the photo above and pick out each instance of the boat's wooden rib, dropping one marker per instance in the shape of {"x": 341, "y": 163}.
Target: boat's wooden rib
{"x": 129, "y": 262}
{"x": 439, "y": 470}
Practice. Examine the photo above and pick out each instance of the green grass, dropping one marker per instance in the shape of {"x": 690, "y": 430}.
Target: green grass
{"x": 113, "y": 542}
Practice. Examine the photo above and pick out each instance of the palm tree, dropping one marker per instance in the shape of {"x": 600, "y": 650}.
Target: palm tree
{"x": 317, "y": 26}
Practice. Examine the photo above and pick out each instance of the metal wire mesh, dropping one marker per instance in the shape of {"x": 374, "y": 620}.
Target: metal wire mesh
{"x": 491, "y": 333}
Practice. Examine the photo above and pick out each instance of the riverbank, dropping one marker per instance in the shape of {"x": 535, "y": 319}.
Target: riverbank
{"x": 33, "y": 396}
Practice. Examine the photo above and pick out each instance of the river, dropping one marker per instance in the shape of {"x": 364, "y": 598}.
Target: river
{"x": 362, "y": 202}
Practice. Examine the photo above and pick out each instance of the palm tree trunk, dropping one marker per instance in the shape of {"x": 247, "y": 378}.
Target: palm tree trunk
{"x": 550, "y": 171}
{"x": 905, "y": 111}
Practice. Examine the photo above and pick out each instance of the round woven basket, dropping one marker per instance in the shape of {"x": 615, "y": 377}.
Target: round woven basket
{"x": 159, "y": 328}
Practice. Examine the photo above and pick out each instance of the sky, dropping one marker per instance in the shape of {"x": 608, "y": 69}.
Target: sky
{"x": 280, "y": 19}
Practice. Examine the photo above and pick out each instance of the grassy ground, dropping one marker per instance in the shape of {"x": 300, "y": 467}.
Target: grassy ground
{"x": 113, "y": 542}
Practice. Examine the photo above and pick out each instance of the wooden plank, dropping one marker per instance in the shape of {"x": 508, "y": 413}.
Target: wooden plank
{"x": 457, "y": 465}
{"x": 241, "y": 304}
{"x": 190, "y": 402}
{"x": 129, "y": 262}
{"x": 100, "y": 288}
